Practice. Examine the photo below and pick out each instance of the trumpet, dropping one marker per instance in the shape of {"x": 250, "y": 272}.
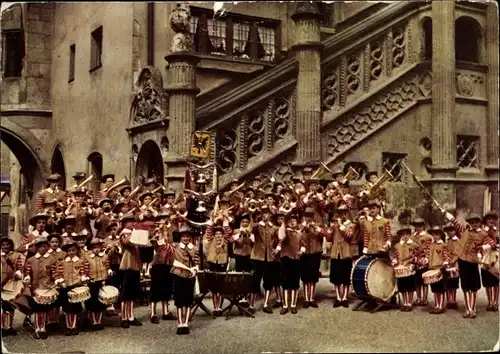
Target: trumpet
{"x": 85, "y": 182}
{"x": 235, "y": 189}
{"x": 123, "y": 182}
{"x": 157, "y": 189}
{"x": 135, "y": 191}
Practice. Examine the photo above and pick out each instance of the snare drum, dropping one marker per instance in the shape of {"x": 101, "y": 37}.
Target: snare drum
{"x": 12, "y": 290}
{"x": 432, "y": 276}
{"x": 453, "y": 272}
{"x": 373, "y": 277}
{"x": 232, "y": 283}
{"x": 79, "y": 295}
{"x": 45, "y": 296}
{"x": 403, "y": 271}
{"x": 108, "y": 295}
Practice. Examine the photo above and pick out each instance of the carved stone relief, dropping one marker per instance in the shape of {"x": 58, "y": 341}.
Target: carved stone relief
{"x": 466, "y": 84}
{"x": 148, "y": 103}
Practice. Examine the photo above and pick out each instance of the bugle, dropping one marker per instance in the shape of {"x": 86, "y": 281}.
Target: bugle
{"x": 135, "y": 191}
{"x": 122, "y": 182}
{"x": 87, "y": 180}
{"x": 157, "y": 189}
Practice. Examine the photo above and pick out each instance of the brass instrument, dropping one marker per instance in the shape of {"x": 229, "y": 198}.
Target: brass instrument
{"x": 286, "y": 207}
{"x": 351, "y": 174}
{"x": 265, "y": 181}
{"x": 374, "y": 191}
{"x": 320, "y": 171}
{"x": 85, "y": 182}
{"x": 236, "y": 189}
{"x": 157, "y": 189}
{"x": 135, "y": 191}
{"x": 153, "y": 202}
{"x": 253, "y": 205}
{"x": 120, "y": 183}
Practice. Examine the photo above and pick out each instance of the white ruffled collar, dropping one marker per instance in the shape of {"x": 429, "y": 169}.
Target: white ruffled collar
{"x": 38, "y": 255}
{"x": 262, "y": 223}
{"x": 189, "y": 246}
{"x": 36, "y": 233}
{"x": 439, "y": 242}
{"x": 409, "y": 241}
{"x": 57, "y": 250}
{"x": 101, "y": 254}
{"x": 111, "y": 237}
{"x": 74, "y": 259}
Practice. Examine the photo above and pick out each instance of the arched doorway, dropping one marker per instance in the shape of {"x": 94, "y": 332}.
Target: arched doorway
{"x": 149, "y": 163}
{"x": 57, "y": 166}
{"x": 95, "y": 168}
{"x": 468, "y": 40}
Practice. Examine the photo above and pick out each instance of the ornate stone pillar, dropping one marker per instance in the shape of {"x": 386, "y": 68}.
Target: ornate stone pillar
{"x": 308, "y": 110}
{"x": 182, "y": 91}
{"x": 444, "y": 160}
{"x": 493, "y": 95}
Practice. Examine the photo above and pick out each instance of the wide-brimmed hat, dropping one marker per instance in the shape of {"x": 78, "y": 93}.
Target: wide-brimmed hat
{"x": 68, "y": 244}
{"x": 127, "y": 217}
{"x": 8, "y": 240}
{"x": 448, "y": 226}
{"x": 82, "y": 234}
{"x": 123, "y": 188}
{"x": 56, "y": 235}
{"x": 404, "y": 228}
{"x": 337, "y": 172}
{"x": 80, "y": 175}
{"x": 371, "y": 173}
{"x": 436, "y": 230}
{"x": 81, "y": 190}
{"x": 490, "y": 215}
{"x": 106, "y": 176}
{"x": 473, "y": 216}
{"x": 144, "y": 195}
{"x": 104, "y": 200}
{"x": 53, "y": 177}
{"x": 69, "y": 219}
{"x": 169, "y": 192}
{"x": 40, "y": 216}
{"x": 417, "y": 221}
{"x": 96, "y": 241}
{"x": 40, "y": 240}
{"x": 309, "y": 211}
{"x": 245, "y": 216}
{"x": 373, "y": 202}
{"x": 183, "y": 230}
{"x": 110, "y": 226}
{"x": 117, "y": 207}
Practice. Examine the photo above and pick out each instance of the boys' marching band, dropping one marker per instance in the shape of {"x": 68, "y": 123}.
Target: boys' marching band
{"x": 149, "y": 234}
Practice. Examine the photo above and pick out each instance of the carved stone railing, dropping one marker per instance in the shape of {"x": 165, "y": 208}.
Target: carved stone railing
{"x": 259, "y": 132}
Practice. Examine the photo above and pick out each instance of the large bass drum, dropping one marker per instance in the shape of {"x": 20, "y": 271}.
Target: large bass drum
{"x": 373, "y": 277}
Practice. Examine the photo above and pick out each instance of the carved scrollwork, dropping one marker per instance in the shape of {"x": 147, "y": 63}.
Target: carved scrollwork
{"x": 282, "y": 126}
{"x": 330, "y": 89}
{"x": 353, "y": 77}
{"x": 398, "y": 47}
{"x": 227, "y": 144}
{"x": 376, "y": 60}
{"x": 386, "y": 105}
{"x": 147, "y": 103}
{"x": 256, "y": 133}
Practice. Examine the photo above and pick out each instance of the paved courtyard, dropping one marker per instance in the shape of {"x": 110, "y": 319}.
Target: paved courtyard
{"x": 312, "y": 330}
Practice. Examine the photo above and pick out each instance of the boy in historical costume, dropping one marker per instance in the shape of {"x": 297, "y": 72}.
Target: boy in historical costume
{"x": 290, "y": 251}
{"x": 185, "y": 266}
{"x": 55, "y": 251}
{"x": 405, "y": 254}
{"x": 242, "y": 246}
{"x": 99, "y": 271}
{"x": 377, "y": 236}
{"x": 130, "y": 268}
{"x": 453, "y": 279}
{"x": 38, "y": 222}
{"x": 161, "y": 278}
{"x": 39, "y": 272}
{"x": 339, "y": 234}
{"x": 216, "y": 248}
{"x": 145, "y": 224}
{"x": 103, "y": 216}
{"x": 265, "y": 260}
{"x": 12, "y": 269}
{"x": 68, "y": 228}
{"x": 312, "y": 249}
{"x": 438, "y": 257}
{"x": 471, "y": 237}
{"x": 114, "y": 251}
{"x": 71, "y": 273}
{"x": 490, "y": 247}
{"x": 80, "y": 209}
{"x": 424, "y": 241}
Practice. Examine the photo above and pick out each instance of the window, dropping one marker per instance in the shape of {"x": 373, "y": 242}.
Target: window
{"x": 96, "y": 49}
{"x": 95, "y": 168}
{"x": 13, "y": 53}
{"x": 235, "y": 35}
{"x": 72, "y": 52}
{"x": 467, "y": 151}
{"x": 391, "y": 162}
{"x": 427, "y": 32}
{"x": 467, "y": 40}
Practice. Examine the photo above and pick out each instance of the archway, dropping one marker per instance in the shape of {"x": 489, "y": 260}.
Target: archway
{"x": 468, "y": 40}
{"x": 149, "y": 162}
{"x": 426, "y": 53}
{"x": 57, "y": 166}
{"x": 95, "y": 168}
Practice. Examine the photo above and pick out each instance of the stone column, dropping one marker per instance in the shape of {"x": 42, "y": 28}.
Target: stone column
{"x": 307, "y": 49}
{"x": 444, "y": 160}
{"x": 182, "y": 91}
{"x": 492, "y": 83}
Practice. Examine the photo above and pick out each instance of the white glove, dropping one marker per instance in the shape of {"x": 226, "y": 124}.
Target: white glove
{"x": 236, "y": 237}
{"x": 342, "y": 227}
{"x": 63, "y": 285}
{"x": 110, "y": 272}
{"x": 252, "y": 237}
{"x": 486, "y": 247}
{"x": 84, "y": 278}
{"x": 394, "y": 262}
{"x": 479, "y": 256}
{"x": 278, "y": 248}
{"x": 225, "y": 223}
{"x": 318, "y": 229}
{"x": 388, "y": 243}
{"x": 27, "y": 279}
{"x": 59, "y": 281}
{"x": 445, "y": 263}
{"x": 161, "y": 242}
{"x": 449, "y": 216}
{"x": 335, "y": 183}
{"x": 18, "y": 274}
{"x": 302, "y": 250}
{"x": 365, "y": 250}
{"x": 486, "y": 228}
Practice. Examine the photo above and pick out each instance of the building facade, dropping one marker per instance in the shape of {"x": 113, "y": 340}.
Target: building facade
{"x": 120, "y": 87}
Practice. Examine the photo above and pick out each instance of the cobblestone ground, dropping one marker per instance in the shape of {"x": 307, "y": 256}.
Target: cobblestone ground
{"x": 311, "y": 330}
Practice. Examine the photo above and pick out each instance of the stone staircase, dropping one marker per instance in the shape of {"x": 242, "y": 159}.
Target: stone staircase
{"x": 370, "y": 77}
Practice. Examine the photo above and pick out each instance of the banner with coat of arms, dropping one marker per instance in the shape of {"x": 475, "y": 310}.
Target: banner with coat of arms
{"x": 201, "y": 143}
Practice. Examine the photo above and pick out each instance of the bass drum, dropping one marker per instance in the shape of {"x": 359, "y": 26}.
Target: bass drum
{"x": 373, "y": 277}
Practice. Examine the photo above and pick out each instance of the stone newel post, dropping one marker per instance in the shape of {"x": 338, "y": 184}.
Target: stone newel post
{"x": 182, "y": 91}
{"x": 444, "y": 160}
{"x": 308, "y": 53}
